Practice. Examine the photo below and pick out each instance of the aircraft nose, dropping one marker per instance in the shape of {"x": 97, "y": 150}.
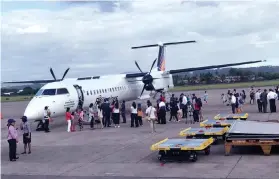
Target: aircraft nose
{"x": 32, "y": 112}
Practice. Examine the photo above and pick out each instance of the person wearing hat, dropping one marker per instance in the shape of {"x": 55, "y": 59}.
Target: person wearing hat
{"x": 12, "y": 139}
{"x": 26, "y": 129}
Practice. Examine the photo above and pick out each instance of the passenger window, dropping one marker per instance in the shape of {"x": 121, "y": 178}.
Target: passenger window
{"x": 100, "y": 91}
{"x": 105, "y": 90}
{"x": 49, "y": 92}
{"x": 90, "y": 92}
{"x": 87, "y": 93}
{"x": 94, "y": 92}
{"x": 97, "y": 91}
{"x": 110, "y": 89}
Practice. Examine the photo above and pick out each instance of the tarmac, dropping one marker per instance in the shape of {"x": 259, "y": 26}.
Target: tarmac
{"x": 118, "y": 153}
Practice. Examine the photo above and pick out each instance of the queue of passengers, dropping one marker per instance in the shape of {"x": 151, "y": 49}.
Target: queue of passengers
{"x": 237, "y": 100}
{"x": 105, "y": 113}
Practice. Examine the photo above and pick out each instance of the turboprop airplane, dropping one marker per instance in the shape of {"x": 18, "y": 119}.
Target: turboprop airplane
{"x": 60, "y": 94}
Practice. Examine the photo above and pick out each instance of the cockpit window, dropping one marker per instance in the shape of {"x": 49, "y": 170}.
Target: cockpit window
{"x": 49, "y": 92}
{"x": 39, "y": 92}
{"x": 62, "y": 91}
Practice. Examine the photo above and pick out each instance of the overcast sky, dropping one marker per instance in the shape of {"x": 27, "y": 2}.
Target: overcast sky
{"x": 96, "y": 38}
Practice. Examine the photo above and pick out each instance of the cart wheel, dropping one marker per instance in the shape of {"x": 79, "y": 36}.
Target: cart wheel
{"x": 193, "y": 157}
{"x": 161, "y": 155}
{"x": 207, "y": 151}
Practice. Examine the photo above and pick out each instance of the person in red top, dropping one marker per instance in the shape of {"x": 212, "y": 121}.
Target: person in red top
{"x": 162, "y": 98}
{"x": 197, "y": 108}
{"x": 68, "y": 119}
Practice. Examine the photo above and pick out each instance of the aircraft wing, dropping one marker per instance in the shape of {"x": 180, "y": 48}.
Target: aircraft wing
{"x": 34, "y": 81}
{"x": 212, "y": 67}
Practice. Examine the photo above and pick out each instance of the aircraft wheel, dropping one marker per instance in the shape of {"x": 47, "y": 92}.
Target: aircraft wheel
{"x": 161, "y": 155}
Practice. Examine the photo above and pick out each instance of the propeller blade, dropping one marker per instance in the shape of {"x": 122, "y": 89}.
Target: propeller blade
{"x": 142, "y": 90}
{"x": 65, "y": 73}
{"x": 52, "y": 73}
{"x": 152, "y": 65}
{"x": 138, "y": 66}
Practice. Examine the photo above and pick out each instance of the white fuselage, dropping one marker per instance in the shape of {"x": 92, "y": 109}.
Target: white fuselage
{"x": 60, "y": 95}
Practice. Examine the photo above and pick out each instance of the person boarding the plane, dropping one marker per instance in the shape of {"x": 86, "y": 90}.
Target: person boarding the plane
{"x": 123, "y": 111}
{"x": 100, "y": 115}
{"x": 26, "y": 130}
{"x": 12, "y": 140}
{"x": 91, "y": 116}
{"x": 68, "y": 117}
{"x": 116, "y": 115}
{"x": 162, "y": 111}
{"x": 151, "y": 115}
{"x": 233, "y": 102}
{"x": 173, "y": 110}
{"x": 139, "y": 114}
{"x": 46, "y": 119}
{"x": 73, "y": 122}
{"x": 272, "y": 96}
{"x": 184, "y": 106}
{"x": 134, "y": 120}
{"x": 106, "y": 112}
{"x": 80, "y": 114}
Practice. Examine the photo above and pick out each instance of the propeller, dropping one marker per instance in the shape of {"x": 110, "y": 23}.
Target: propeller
{"x": 53, "y": 75}
{"x": 147, "y": 79}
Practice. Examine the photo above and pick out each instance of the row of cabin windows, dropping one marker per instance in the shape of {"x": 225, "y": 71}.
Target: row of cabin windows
{"x": 108, "y": 90}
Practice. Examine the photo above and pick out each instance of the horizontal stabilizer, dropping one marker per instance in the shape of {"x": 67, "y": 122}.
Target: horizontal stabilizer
{"x": 164, "y": 44}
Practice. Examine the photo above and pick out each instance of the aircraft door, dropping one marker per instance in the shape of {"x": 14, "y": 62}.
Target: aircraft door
{"x": 80, "y": 96}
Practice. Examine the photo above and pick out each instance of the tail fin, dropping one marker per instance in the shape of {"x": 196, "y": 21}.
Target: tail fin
{"x": 161, "y": 64}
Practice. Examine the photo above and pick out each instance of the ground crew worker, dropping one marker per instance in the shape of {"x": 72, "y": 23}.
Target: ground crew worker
{"x": 46, "y": 119}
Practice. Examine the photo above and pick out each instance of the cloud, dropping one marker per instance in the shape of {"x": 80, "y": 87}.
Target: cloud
{"x": 86, "y": 35}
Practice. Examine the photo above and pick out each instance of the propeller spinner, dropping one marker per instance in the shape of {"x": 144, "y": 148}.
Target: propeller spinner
{"x": 147, "y": 79}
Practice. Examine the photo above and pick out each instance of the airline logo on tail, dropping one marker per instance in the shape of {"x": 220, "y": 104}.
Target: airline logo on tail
{"x": 161, "y": 59}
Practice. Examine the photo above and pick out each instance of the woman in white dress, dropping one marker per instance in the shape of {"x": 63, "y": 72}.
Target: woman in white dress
{"x": 151, "y": 116}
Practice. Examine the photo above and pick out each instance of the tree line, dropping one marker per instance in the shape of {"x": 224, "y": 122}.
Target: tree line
{"x": 233, "y": 75}
{"x": 16, "y": 92}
